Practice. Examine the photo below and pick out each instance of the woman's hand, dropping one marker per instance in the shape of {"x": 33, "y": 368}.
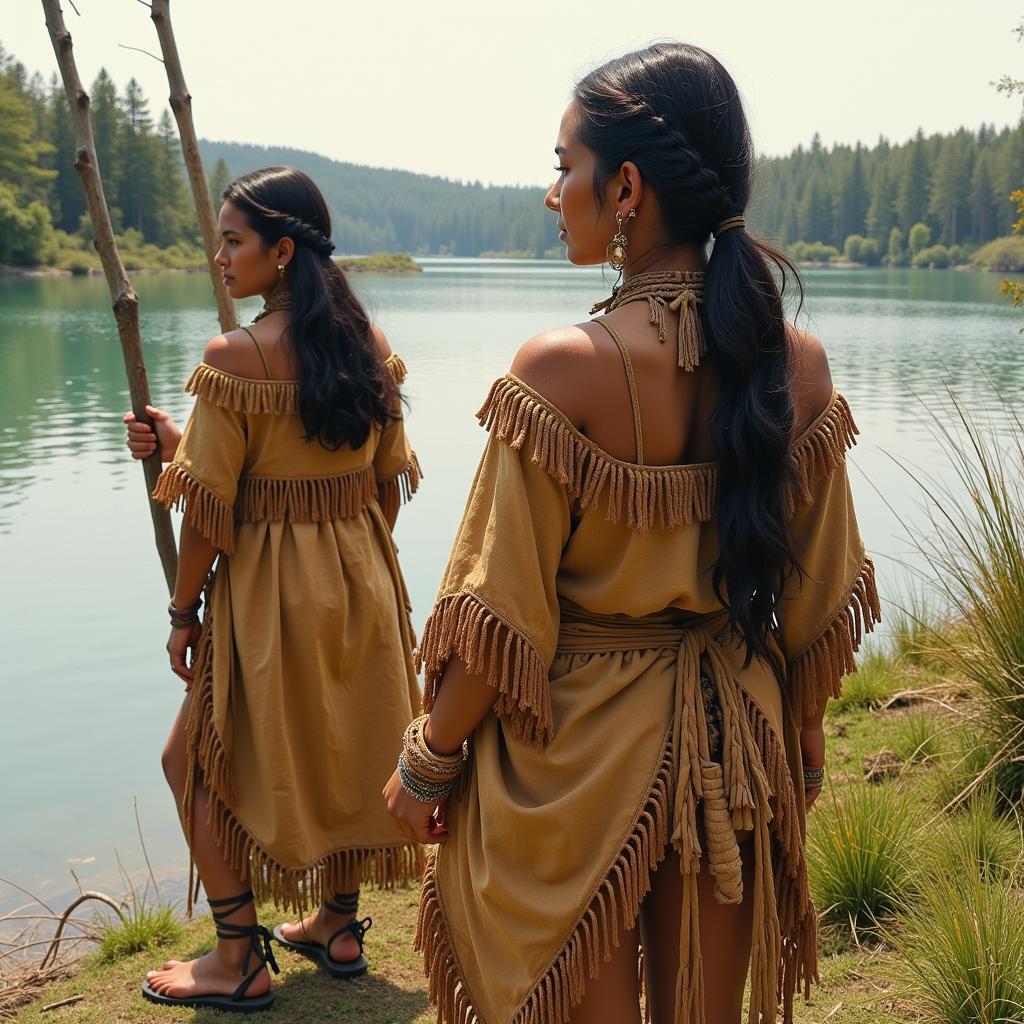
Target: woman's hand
{"x": 182, "y": 641}
{"x": 812, "y": 747}
{"x": 143, "y": 439}
{"x": 422, "y": 823}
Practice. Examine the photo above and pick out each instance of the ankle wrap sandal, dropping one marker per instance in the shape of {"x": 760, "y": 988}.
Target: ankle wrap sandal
{"x": 343, "y": 903}
{"x": 259, "y": 947}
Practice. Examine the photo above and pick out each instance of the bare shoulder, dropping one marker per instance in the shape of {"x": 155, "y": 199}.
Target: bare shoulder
{"x": 234, "y": 353}
{"x": 555, "y": 363}
{"x": 812, "y": 378}
{"x": 379, "y": 339}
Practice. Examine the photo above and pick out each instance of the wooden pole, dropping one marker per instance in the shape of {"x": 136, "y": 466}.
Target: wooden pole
{"x": 125, "y": 301}
{"x": 181, "y": 104}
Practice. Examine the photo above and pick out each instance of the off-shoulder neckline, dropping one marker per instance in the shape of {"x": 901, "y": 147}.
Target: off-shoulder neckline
{"x": 393, "y": 357}
{"x": 801, "y": 438}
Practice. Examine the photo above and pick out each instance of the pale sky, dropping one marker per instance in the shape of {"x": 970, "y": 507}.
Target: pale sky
{"x": 450, "y": 88}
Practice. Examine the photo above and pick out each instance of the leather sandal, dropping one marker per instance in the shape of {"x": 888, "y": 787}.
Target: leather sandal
{"x": 320, "y": 952}
{"x": 259, "y": 947}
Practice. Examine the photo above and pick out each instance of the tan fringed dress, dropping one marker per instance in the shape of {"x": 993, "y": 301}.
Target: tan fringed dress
{"x": 304, "y": 680}
{"x": 582, "y": 583}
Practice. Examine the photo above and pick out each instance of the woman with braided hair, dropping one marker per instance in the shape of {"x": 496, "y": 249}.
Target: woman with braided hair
{"x": 657, "y": 585}
{"x": 300, "y": 683}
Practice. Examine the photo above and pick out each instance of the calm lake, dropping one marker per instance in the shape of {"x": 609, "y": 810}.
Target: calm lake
{"x": 87, "y": 698}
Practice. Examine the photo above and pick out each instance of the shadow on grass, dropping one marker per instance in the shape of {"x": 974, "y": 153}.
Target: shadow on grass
{"x": 314, "y": 998}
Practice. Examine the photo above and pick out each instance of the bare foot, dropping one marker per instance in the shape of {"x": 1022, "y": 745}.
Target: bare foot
{"x": 319, "y": 927}
{"x": 210, "y": 975}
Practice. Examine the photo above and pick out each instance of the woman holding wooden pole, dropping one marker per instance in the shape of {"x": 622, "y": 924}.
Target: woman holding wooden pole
{"x": 300, "y": 682}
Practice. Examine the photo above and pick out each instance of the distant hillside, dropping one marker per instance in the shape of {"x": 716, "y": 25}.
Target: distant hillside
{"x": 375, "y": 209}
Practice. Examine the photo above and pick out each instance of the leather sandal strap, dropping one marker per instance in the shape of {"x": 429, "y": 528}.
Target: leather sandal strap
{"x": 356, "y": 927}
{"x": 343, "y": 903}
{"x": 259, "y": 946}
{"x": 220, "y": 909}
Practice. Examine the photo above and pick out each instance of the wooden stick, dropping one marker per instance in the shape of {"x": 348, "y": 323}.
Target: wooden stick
{"x": 181, "y": 104}
{"x": 70, "y": 1001}
{"x": 100, "y": 896}
{"x": 125, "y": 301}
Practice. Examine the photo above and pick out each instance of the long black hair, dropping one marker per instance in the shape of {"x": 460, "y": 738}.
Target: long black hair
{"x": 343, "y": 386}
{"x": 674, "y": 111}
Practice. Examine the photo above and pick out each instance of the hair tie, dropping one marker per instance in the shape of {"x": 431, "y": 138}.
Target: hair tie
{"x": 728, "y": 225}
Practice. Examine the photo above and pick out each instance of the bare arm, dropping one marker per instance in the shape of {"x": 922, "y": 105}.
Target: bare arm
{"x": 195, "y": 556}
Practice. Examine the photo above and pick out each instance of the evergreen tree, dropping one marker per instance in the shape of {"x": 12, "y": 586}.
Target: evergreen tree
{"x": 814, "y": 214}
{"x": 170, "y": 204}
{"x": 852, "y": 198}
{"x": 106, "y": 127}
{"x": 136, "y": 181}
{"x": 882, "y": 211}
{"x": 219, "y": 179}
{"x": 70, "y": 199}
{"x": 949, "y": 187}
{"x": 983, "y": 210}
{"x": 912, "y": 197}
{"x": 1008, "y": 176}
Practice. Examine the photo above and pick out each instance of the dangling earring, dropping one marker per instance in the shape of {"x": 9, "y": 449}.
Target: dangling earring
{"x": 280, "y": 272}
{"x": 615, "y": 253}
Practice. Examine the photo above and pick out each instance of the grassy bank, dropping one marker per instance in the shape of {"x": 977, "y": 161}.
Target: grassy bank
{"x": 899, "y": 724}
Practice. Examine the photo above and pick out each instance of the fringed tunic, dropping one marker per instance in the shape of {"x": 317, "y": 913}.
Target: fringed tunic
{"x": 304, "y": 679}
{"x": 582, "y": 584}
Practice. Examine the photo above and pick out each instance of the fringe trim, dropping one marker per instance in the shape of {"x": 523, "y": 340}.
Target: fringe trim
{"x": 465, "y": 626}
{"x": 821, "y": 449}
{"x": 784, "y": 949}
{"x": 798, "y": 920}
{"x": 396, "y": 369}
{"x": 242, "y": 394}
{"x": 305, "y": 499}
{"x": 817, "y": 673}
{"x": 287, "y": 887}
{"x": 615, "y": 904}
{"x": 646, "y": 496}
{"x": 205, "y": 511}
{"x": 398, "y": 490}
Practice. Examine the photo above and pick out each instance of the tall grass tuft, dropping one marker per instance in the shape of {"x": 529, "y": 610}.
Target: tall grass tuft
{"x": 141, "y": 926}
{"x": 871, "y": 685}
{"x": 975, "y": 553}
{"x": 961, "y": 948}
{"x": 919, "y": 738}
{"x": 981, "y": 838}
{"x": 864, "y": 848}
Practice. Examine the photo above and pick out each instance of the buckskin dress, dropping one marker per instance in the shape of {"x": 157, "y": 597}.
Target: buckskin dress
{"x": 304, "y": 678}
{"x": 582, "y": 585}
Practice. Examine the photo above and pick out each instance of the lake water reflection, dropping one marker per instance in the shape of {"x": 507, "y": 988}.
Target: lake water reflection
{"x": 86, "y": 698}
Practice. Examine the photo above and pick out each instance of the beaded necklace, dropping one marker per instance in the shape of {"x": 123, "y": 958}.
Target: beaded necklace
{"x": 279, "y": 300}
{"x": 681, "y": 290}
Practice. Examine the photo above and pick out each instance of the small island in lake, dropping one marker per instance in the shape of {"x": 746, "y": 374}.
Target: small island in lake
{"x": 380, "y": 263}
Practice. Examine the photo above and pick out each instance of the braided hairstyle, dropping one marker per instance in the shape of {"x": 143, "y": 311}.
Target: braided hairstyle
{"x": 343, "y": 386}
{"x": 675, "y": 112}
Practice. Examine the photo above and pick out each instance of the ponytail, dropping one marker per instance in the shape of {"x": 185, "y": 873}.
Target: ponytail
{"x": 751, "y": 426}
{"x": 674, "y": 111}
{"x": 343, "y": 387}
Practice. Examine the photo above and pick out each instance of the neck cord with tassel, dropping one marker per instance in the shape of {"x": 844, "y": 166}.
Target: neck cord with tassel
{"x": 681, "y": 290}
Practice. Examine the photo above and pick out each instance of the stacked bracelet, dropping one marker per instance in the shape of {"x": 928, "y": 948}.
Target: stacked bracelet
{"x": 182, "y": 618}
{"x": 814, "y": 777}
{"x": 426, "y": 776}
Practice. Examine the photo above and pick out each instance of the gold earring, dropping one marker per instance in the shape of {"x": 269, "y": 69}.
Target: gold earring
{"x": 615, "y": 253}
{"x": 280, "y": 271}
